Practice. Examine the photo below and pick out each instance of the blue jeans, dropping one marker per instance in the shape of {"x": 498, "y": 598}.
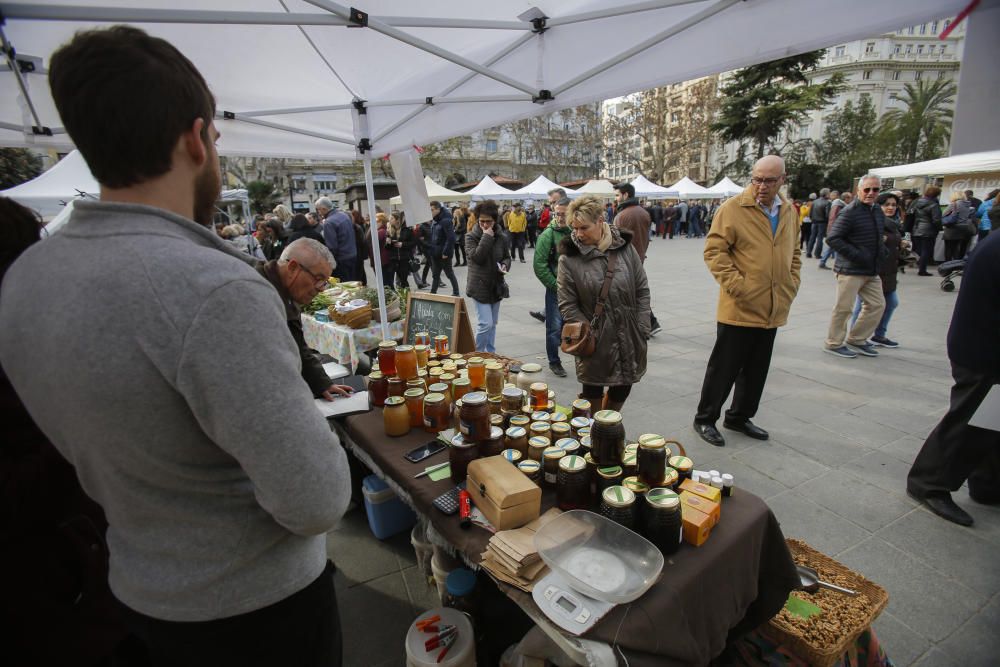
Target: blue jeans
{"x": 553, "y": 326}
{"x": 814, "y": 246}
{"x": 487, "y": 316}
{"x": 827, "y": 254}
{"x": 891, "y": 301}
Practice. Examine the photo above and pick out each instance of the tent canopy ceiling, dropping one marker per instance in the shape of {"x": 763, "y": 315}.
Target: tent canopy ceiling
{"x": 969, "y": 163}
{"x": 286, "y": 73}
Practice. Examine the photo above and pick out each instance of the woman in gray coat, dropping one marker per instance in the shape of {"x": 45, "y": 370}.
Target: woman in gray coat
{"x": 619, "y": 360}
{"x": 487, "y": 250}
{"x": 926, "y": 225}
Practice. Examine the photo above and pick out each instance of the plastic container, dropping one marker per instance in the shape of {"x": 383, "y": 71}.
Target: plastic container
{"x": 598, "y": 557}
{"x": 461, "y": 654}
{"x": 422, "y": 548}
{"x": 387, "y": 514}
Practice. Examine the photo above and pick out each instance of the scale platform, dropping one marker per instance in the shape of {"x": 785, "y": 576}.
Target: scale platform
{"x": 570, "y": 609}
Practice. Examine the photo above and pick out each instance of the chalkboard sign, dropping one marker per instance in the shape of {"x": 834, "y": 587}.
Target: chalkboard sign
{"x": 439, "y": 315}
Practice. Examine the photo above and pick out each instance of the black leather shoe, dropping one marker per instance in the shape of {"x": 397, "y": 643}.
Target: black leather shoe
{"x": 747, "y": 428}
{"x": 942, "y": 505}
{"x": 709, "y": 434}
{"x": 537, "y": 315}
{"x": 557, "y": 370}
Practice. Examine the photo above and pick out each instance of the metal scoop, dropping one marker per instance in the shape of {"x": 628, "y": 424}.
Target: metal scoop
{"x": 811, "y": 582}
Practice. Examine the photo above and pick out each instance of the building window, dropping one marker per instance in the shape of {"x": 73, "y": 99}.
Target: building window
{"x": 674, "y": 117}
{"x": 920, "y": 49}
{"x": 909, "y": 49}
{"x": 944, "y": 49}
{"x": 923, "y": 29}
{"x": 840, "y": 50}
{"x": 941, "y": 75}
{"x": 867, "y": 75}
{"x": 934, "y": 28}
{"x": 947, "y": 22}
{"x": 895, "y": 75}
{"x": 910, "y": 30}
{"x": 870, "y": 47}
{"x": 893, "y": 99}
{"x": 491, "y": 145}
{"x": 896, "y": 49}
{"x": 916, "y": 76}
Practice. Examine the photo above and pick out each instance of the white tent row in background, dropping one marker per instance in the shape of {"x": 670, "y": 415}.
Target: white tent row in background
{"x": 688, "y": 189}
{"x": 597, "y": 187}
{"x": 436, "y": 192}
{"x": 646, "y": 189}
{"x": 969, "y": 163}
{"x": 725, "y": 188}
{"x": 539, "y": 189}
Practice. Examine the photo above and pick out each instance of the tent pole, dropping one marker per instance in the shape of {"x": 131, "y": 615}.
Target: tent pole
{"x": 292, "y": 110}
{"x": 21, "y": 84}
{"x": 376, "y": 251}
{"x": 692, "y": 20}
{"x": 142, "y": 15}
{"x": 284, "y": 128}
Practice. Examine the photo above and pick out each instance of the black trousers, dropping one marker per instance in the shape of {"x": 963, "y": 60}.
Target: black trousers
{"x": 595, "y": 394}
{"x": 443, "y": 264}
{"x": 741, "y": 356}
{"x": 460, "y": 249}
{"x": 955, "y": 451}
{"x": 924, "y": 247}
{"x": 302, "y": 630}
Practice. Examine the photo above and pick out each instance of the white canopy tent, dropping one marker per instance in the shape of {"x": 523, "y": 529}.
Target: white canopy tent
{"x": 396, "y": 80}
{"x": 436, "y": 191}
{"x": 688, "y": 189}
{"x": 726, "y": 188}
{"x": 970, "y": 163}
{"x": 539, "y": 189}
{"x": 50, "y": 191}
{"x": 646, "y": 189}
{"x": 488, "y": 189}
{"x": 597, "y": 187}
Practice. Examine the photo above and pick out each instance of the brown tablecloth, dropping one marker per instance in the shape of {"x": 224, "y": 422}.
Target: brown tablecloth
{"x": 731, "y": 584}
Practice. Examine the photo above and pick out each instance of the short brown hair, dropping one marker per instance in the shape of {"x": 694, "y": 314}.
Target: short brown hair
{"x": 932, "y": 191}
{"x": 587, "y": 207}
{"x": 126, "y": 98}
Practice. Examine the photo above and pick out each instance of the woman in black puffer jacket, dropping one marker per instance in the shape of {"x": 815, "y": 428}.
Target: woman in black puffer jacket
{"x": 926, "y": 225}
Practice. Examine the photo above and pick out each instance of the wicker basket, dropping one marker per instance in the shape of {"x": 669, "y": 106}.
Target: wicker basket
{"x": 791, "y": 636}
{"x": 359, "y": 318}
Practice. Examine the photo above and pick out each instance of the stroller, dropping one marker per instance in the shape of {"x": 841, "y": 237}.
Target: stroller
{"x": 949, "y": 271}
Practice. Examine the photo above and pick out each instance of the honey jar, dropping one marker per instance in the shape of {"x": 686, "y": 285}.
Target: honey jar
{"x": 460, "y": 387}
{"x": 493, "y": 445}
{"x": 520, "y": 420}
{"x": 528, "y": 375}
{"x": 607, "y": 437}
{"x": 569, "y": 445}
{"x": 541, "y": 429}
{"x": 422, "y": 355}
{"x": 494, "y": 379}
{"x": 618, "y": 504}
{"x": 477, "y": 372}
{"x": 387, "y": 357}
{"x": 378, "y": 388}
{"x": 652, "y": 459}
{"x": 572, "y": 484}
{"x": 511, "y": 399}
{"x": 422, "y": 338}
{"x": 560, "y": 430}
{"x": 550, "y": 464}
{"x": 577, "y": 423}
{"x": 436, "y": 417}
{"x": 415, "y": 405}
{"x": 475, "y": 417}
{"x": 444, "y": 390}
{"x": 683, "y": 465}
{"x": 581, "y": 408}
{"x": 539, "y": 396}
{"x": 460, "y": 455}
{"x": 512, "y": 455}
{"x": 396, "y": 386}
{"x": 557, "y": 417}
{"x": 540, "y": 416}
{"x": 517, "y": 438}
{"x": 395, "y": 416}
{"x": 536, "y": 446}
{"x": 607, "y": 476}
{"x": 531, "y": 469}
{"x": 441, "y": 345}
{"x": 406, "y": 362}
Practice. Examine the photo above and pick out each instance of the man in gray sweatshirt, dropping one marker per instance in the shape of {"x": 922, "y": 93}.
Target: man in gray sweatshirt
{"x": 112, "y": 332}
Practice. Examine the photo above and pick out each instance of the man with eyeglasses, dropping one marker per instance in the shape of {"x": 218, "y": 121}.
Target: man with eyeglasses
{"x": 302, "y": 272}
{"x": 752, "y": 250}
{"x": 857, "y": 236}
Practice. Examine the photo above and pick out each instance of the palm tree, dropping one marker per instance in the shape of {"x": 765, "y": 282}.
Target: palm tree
{"x": 922, "y": 129}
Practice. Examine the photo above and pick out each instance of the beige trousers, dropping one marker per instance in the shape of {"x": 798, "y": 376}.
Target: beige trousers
{"x": 869, "y": 288}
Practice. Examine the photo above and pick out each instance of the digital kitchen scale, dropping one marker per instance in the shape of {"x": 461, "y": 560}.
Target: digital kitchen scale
{"x": 568, "y": 608}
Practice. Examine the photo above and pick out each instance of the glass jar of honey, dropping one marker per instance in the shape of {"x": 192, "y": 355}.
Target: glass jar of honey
{"x": 475, "y": 417}
{"x": 606, "y": 476}
{"x": 447, "y": 378}
{"x": 416, "y": 383}
{"x": 406, "y": 362}
{"x": 494, "y": 379}
{"x": 607, "y": 437}
{"x": 630, "y": 463}
{"x": 456, "y": 413}
{"x": 539, "y": 395}
{"x": 536, "y": 446}
{"x": 460, "y": 387}
{"x": 661, "y": 520}
{"x": 581, "y": 408}
{"x": 569, "y": 445}
{"x": 652, "y": 459}
{"x": 435, "y": 413}
{"x": 415, "y": 405}
{"x": 441, "y": 345}
{"x": 477, "y": 372}
{"x": 460, "y": 455}
{"x": 495, "y": 407}
{"x": 528, "y": 375}
{"x": 682, "y": 465}
{"x": 396, "y": 386}
{"x": 444, "y": 390}
{"x": 550, "y": 464}
{"x": 387, "y": 357}
{"x": 395, "y": 416}
{"x": 577, "y": 423}
{"x": 378, "y": 387}
{"x": 512, "y": 455}
{"x": 618, "y": 504}
{"x": 516, "y": 438}
{"x": 497, "y": 420}
{"x": 560, "y": 430}
{"x": 422, "y": 338}
{"x": 511, "y": 400}
{"x": 572, "y": 484}
{"x": 541, "y": 416}
{"x": 530, "y": 468}
{"x": 671, "y": 479}
{"x": 540, "y": 429}
{"x": 557, "y": 417}
{"x": 520, "y": 420}
{"x": 493, "y": 445}
{"x": 422, "y": 353}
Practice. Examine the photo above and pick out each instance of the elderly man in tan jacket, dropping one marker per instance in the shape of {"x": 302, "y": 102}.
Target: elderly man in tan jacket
{"x": 753, "y": 252}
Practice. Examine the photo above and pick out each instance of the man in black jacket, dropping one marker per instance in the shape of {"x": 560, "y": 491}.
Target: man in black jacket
{"x": 441, "y": 246}
{"x": 818, "y": 212}
{"x": 857, "y": 238}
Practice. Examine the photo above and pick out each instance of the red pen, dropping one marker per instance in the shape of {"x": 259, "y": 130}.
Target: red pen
{"x": 447, "y": 645}
{"x": 464, "y": 508}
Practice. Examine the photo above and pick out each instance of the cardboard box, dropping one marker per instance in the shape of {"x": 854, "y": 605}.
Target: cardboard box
{"x": 696, "y": 525}
{"x": 703, "y": 490}
{"x": 701, "y": 504}
{"x": 504, "y": 495}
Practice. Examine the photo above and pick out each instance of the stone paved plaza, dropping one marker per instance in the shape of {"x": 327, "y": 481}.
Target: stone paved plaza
{"x": 843, "y": 434}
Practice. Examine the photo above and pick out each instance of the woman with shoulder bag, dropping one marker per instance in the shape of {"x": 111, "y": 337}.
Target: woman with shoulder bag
{"x": 399, "y": 242}
{"x": 620, "y": 323}
{"x": 926, "y": 225}
{"x": 958, "y": 227}
{"x": 487, "y": 249}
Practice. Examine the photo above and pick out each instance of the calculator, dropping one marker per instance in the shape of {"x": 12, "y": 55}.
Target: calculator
{"x": 448, "y": 502}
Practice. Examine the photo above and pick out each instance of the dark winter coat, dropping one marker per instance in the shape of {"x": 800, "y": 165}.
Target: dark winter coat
{"x": 302, "y": 229}
{"x": 927, "y": 218}
{"x": 484, "y": 252}
{"x": 856, "y": 237}
{"x": 820, "y": 209}
{"x": 636, "y": 220}
{"x": 960, "y": 229}
{"x": 620, "y": 357}
{"x": 893, "y": 243}
{"x": 407, "y": 240}
{"x": 442, "y": 241}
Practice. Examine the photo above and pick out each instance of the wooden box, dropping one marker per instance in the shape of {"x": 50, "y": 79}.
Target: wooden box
{"x": 502, "y": 493}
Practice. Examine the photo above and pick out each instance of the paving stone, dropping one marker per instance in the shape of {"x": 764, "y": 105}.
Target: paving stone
{"x": 937, "y": 658}
{"x": 421, "y": 591}
{"x": 931, "y": 604}
{"x": 987, "y": 517}
{"x": 821, "y": 445}
{"x": 374, "y": 619}
{"x": 880, "y": 469}
{"x": 781, "y": 463}
{"x": 907, "y": 421}
{"x": 819, "y": 527}
{"x": 356, "y": 552}
{"x": 975, "y": 644}
{"x": 859, "y": 429}
{"x": 868, "y": 506}
{"x": 905, "y": 449}
{"x": 900, "y": 643}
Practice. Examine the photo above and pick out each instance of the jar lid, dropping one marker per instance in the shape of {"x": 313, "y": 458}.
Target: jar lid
{"x": 584, "y": 441}
{"x": 437, "y": 371}
{"x": 664, "y": 498}
{"x": 459, "y": 442}
{"x": 652, "y": 441}
{"x": 558, "y": 418}
{"x": 511, "y": 392}
{"x": 631, "y": 448}
{"x": 539, "y": 386}
{"x": 441, "y": 337}
{"x": 460, "y": 382}
{"x": 609, "y": 472}
{"x": 387, "y": 344}
{"x": 572, "y": 464}
{"x": 433, "y": 363}
{"x": 540, "y": 416}
{"x": 588, "y": 458}
{"x": 496, "y": 432}
{"x": 474, "y": 398}
{"x": 421, "y": 373}
{"x": 438, "y": 388}
{"x": 496, "y": 420}
{"x": 583, "y": 431}
{"x": 581, "y": 404}
{"x": 375, "y": 375}
{"x": 472, "y": 360}
{"x": 633, "y": 484}
{"x": 494, "y": 366}
{"x": 494, "y": 399}
{"x": 618, "y": 496}
{"x": 413, "y": 393}
{"x": 553, "y": 453}
{"x": 404, "y": 348}
{"x": 670, "y": 477}
{"x": 717, "y": 482}
{"x": 630, "y": 459}
{"x": 460, "y": 582}
{"x": 394, "y": 400}
{"x": 516, "y": 432}
{"x": 560, "y": 428}
{"x": 449, "y": 366}
{"x": 538, "y": 441}
{"x": 531, "y": 368}
{"x": 519, "y": 420}
{"x": 541, "y": 426}
{"x": 447, "y": 377}
{"x": 680, "y": 462}
{"x": 727, "y": 479}
{"x": 455, "y": 356}
{"x": 608, "y": 417}
{"x": 415, "y": 382}
{"x": 434, "y": 398}
{"x": 422, "y": 334}
{"x": 567, "y": 443}
{"x": 579, "y": 422}
{"x": 420, "y": 348}
{"x": 529, "y": 466}
{"x": 511, "y": 455}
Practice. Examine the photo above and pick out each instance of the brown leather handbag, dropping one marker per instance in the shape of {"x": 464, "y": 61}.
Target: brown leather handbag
{"x": 578, "y": 338}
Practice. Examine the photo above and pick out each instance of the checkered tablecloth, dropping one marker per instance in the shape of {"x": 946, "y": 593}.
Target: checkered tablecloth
{"x": 344, "y": 344}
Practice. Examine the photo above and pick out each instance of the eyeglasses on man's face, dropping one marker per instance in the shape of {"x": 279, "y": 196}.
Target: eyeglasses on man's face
{"x": 875, "y": 189}
{"x": 757, "y": 180}
{"x": 318, "y": 281}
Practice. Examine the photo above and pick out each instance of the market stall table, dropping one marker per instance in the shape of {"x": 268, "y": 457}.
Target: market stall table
{"x": 734, "y": 582}
{"x": 345, "y": 344}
